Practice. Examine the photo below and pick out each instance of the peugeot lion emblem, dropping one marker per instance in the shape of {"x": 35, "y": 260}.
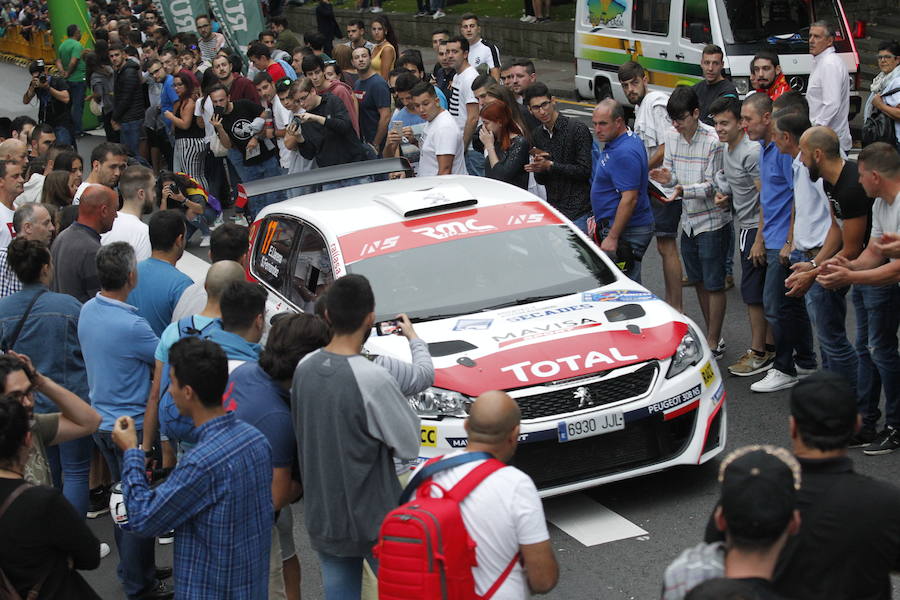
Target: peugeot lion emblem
{"x": 583, "y": 395}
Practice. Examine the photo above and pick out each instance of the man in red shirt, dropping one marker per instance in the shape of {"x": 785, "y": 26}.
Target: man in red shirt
{"x": 261, "y": 57}
{"x": 766, "y": 71}
{"x": 238, "y": 86}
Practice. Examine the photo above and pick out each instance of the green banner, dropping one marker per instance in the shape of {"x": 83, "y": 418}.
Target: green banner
{"x": 62, "y": 14}
{"x": 241, "y": 22}
{"x": 180, "y": 14}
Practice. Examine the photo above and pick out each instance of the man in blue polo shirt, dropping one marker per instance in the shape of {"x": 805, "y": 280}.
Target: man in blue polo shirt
{"x": 118, "y": 347}
{"x": 776, "y": 200}
{"x": 160, "y": 284}
{"x": 619, "y": 191}
{"x": 243, "y": 307}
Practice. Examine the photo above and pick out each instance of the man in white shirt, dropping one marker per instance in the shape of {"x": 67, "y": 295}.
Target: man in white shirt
{"x": 108, "y": 161}
{"x": 11, "y": 183}
{"x": 828, "y": 93}
{"x": 441, "y": 147}
{"x": 137, "y": 186}
{"x": 463, "y": 105}
{"x": 651, "y": 122}
{"x": 480, "y": 51}
{"x": 503, "y": 514}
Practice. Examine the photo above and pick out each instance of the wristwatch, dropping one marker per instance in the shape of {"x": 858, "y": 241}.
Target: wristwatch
{"x": 812, "y": 261}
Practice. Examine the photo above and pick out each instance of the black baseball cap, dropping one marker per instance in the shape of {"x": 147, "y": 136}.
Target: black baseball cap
{"x": 824, "y": 404}
{"x": 36, "y": 66}
{"x": 759, "y": 491}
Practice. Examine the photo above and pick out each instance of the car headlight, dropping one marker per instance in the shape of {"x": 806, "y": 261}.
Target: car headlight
{"x": 688, "y": 354}
{"x": 436, "y": 402}
{"x": 742, "y": 84}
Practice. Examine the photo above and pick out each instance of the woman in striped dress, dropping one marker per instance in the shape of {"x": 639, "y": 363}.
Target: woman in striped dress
{"x": 190, "y": 146}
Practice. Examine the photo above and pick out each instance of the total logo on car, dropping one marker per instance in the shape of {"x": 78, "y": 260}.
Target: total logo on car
{"x": 508, "y": 294}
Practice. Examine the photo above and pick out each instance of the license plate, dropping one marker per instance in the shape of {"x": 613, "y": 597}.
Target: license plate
{"x": 575, "y": 429}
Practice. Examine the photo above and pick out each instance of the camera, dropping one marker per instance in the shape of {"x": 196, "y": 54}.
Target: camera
{"x": 296, "y": 122}
{"x": 42, "y": 78}
{"x": 219, "y": 110}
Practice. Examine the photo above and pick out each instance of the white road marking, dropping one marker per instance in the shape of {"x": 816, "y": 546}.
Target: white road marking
{"x": 588, "y": 521}
{"x": 193, "y": 267}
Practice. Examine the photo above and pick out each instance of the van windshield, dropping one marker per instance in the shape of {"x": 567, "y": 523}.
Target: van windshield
{"x": 779, "y": 25}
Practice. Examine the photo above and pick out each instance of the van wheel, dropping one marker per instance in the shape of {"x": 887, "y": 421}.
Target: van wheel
{"x": 602, "y": 89}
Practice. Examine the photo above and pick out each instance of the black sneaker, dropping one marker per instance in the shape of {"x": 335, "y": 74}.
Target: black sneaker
{"x": 161, "y": 591}
{"x": 99, "y": 502}
{"x": 863, "y": 438}
{"x": 886, "y": 442}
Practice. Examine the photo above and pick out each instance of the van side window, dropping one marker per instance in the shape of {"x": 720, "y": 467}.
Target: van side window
{"x": 312, "y": 272}
{"x": 695, "y": 24}
{"x": 272, "y": 255}
{"x": 651, "y": 16}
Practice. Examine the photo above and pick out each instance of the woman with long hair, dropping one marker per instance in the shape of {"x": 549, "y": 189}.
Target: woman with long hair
{"x": 42, "y": 539}
{"x": 386, "y": 46}
{"x": 57, "y": 196}
{"x": 506, "y": 145}
{"x": 343, "y": 65}
{"x": 72, "y": 164}
{"x": 190, "y": 145}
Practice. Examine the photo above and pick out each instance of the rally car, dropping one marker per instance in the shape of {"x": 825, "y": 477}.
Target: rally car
{"x": 508, "y": 294}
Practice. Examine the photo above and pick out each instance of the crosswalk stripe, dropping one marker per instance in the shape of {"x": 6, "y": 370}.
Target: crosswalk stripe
{"x": 588, "y": 521}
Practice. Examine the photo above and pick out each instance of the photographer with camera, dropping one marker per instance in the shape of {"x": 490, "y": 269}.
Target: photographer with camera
{"x": 182, "y": 192}
{"x": 53, "y": 97}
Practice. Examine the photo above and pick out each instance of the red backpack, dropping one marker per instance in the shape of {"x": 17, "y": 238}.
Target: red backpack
{"x": 424, "y": 551}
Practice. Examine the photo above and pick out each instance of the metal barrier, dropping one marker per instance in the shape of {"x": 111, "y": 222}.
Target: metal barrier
{"x": 40, "y": 45}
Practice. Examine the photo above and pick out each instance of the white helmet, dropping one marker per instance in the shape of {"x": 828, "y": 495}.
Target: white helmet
{"x": 117, "y": 505}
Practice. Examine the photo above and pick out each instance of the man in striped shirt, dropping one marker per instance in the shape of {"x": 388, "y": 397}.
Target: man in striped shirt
{"x": 210, "y": 41}
{"x": 693, "y": 156}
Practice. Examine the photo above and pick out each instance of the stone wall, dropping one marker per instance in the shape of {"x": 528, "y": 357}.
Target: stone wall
{"x": 549, "y": 41}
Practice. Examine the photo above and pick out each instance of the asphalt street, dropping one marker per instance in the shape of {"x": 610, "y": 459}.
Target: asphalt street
{"x": 671, "y": 507}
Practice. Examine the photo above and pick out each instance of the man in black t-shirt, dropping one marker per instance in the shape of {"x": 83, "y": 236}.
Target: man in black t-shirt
{"x": 241, "y": 127}
{"x": 714, "y": 84}
{"x": 53, "y": 96}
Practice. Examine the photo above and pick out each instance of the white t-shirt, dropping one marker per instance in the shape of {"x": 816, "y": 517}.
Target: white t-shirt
{"x": 7, "y": 233}
{"x": 192, "y": 302}
{"x": 282, "y": 118}
{"x": 441, "y": 136}
{"x": 501, "y": 514}
{"x": 461, "y": 94}
{"x": 651, "y": 121}
{"x": 77, "y": 199}
{"x": 885, "y": 218}
{"x": 129, "y": 228}
{"x": 205, "y": 109}
{"x": 481, "y": 53}
{"x": 32, "y": 190}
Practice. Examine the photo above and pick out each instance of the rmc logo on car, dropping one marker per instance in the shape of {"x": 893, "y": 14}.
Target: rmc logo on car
{"x": 453, "y": 229}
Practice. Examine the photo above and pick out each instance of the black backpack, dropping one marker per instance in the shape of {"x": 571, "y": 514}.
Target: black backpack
{"x": 880, "y": 127}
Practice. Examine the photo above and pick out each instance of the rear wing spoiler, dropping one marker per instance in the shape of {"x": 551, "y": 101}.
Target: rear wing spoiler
{"x": 316, "y": 177}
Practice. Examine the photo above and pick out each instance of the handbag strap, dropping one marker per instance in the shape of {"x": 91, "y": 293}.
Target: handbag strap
{"x": 8, "y": 344}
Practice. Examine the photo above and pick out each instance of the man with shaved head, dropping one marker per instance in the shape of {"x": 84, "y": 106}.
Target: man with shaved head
{"x": 74, "y": 251}
{"x": 503, "y": 514}
{"x": 14, "y": 150}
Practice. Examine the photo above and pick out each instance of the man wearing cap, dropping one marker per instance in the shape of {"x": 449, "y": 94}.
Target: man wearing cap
{"x": 849, "y": 538}
{"x": 756, "y": 515}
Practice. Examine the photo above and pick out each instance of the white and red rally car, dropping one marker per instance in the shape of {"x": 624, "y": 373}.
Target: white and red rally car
{"x": 508, "y": 294}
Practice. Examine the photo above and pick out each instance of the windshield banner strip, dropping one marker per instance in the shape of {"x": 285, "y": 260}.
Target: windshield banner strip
{"x": 438, "y": 228}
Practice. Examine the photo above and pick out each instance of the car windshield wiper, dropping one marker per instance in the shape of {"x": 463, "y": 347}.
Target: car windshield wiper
{"x": 436, "y": 317}
{"x": 528, "y": 300}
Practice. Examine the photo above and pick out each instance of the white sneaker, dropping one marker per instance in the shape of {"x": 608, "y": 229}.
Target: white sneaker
{"x": 529, "y": 19}
{"x": 218, "y": 222}
{"x": 377, "y": 9}
{"x": 204, "y": 241}
{"x": 438, "y": 14}
{"x": 104, "y": 550}
{"x": 801, "y": 372}
{"x": 773, "y": 381}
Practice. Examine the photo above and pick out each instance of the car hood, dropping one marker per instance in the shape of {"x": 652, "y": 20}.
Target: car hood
{"x": 533, "y": 344}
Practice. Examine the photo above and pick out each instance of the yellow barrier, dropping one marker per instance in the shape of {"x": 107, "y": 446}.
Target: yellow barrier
{"x": 39, "y": 46}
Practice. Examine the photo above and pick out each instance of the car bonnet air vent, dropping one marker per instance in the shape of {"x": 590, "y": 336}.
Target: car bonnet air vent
{"x": 626, "y": 312}
{"x": 428, "y": 200}
{"x": 439, "y": 349}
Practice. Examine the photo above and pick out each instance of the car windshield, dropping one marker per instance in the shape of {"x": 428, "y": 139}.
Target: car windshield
{"x": 781, "y": 23}
{"x": 482, "y": 272}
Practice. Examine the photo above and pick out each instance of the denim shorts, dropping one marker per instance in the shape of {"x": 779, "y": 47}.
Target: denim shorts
{"x": 704, "y": 257}
{"x": 666, "y": 217}
{"x": 753, "y": 278}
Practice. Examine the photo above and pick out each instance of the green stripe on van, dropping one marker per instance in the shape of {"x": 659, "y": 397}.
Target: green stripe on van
{"x": 653, "y": 64}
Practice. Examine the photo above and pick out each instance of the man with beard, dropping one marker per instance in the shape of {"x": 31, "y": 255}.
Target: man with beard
{"x": 766, "y": 70}
{"x": 108, "y": 160}
{"x": 137, "y": 187}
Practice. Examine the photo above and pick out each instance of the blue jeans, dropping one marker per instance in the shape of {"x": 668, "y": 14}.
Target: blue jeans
{"x": 827, "y": 311}
{"x": 703, "y": 255}
{"x": 248, "y": 173}
{"x": 201, "y": 222}
{"x": 130, "y": 136}
{"x": 729, "y": 256}
{"x": 788, "y": 319}
{"x": 633, "y": 243}
{"x": 64, "y": 135}
{"x": 137, "y": 560}
{"x": 342, "y": 575}
{"x": 475, "y": 163}
{"x": 76, "y": 101}
{"x": 70, "y": 463}
{"x": 877, "y": 319}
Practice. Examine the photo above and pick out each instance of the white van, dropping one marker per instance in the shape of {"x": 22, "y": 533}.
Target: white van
{"x": 667, "y": 36}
